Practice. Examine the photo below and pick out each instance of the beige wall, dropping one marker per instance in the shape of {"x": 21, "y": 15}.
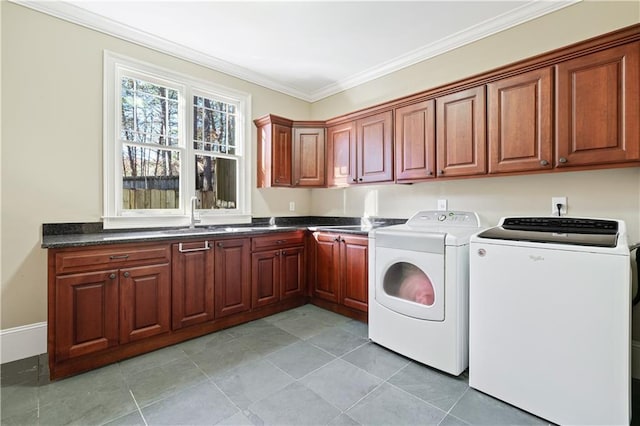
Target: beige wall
{"x": 569, "y": 25}
{"x": 605, "y": 193}
{"x": 51, "y": 158}
{"x": 52, "y": 142}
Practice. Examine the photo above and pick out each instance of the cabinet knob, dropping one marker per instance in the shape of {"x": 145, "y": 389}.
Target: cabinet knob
{"x": 336, "y": 240}
{"x": 277, "y": 180}
{"x": 277, "y": 253}
{"x": 112, "y": 276}
{"x": 440, "y": 172}
{"x": 562, "y": 160}
{"x": 360, "y": 179}
{"x": 354, "y": 180}
{"x": 219, "y": 245}
{"x": 544, "y": 163}
{"x": 284, "y": 252}
{"x": 430, "y": 173}
{"x": 126, "y": 274}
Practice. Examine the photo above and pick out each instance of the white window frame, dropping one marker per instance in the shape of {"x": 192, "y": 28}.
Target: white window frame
{"x": 114, "y": 216}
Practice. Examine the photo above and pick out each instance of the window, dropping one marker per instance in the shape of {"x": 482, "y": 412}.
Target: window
{"x": 168, "y": 138}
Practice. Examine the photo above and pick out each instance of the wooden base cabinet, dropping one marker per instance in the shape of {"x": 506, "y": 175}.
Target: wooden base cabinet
{"x": 232, "y": 280}
{"x": 354, "y": 268}
{"x": 192, "y": 283}
{"x": 145, "y": 301}
{"x": 86, "y": 319}
{"x": 108, "y": 303}
{"x": 101, "y": 298}
{"x": 277, "y": 268}
{"x": 339, "y": 272}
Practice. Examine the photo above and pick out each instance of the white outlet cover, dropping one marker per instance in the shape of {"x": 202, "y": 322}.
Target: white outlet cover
{"x": 554, "y": 203}
{"x": 442, "y": 205}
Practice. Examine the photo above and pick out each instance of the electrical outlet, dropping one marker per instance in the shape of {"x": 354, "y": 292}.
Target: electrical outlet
{"x": 292, "y": 206}
{"x": 442, "y": 204}
{"x": 563, "y": 206}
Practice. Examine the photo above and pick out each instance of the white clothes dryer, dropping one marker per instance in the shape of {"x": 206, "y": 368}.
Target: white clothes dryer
{"x": 418, "y": 288}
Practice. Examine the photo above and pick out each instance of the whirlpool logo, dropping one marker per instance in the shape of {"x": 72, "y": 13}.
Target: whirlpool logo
{"x": 536, "y": 258}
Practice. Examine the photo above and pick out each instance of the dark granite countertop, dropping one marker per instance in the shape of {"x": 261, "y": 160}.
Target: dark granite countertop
{"x": 89, "y": 234}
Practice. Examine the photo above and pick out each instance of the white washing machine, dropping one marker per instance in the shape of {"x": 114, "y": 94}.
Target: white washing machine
{"x": 550, "y": 316}
{"x": 418, "y": 291}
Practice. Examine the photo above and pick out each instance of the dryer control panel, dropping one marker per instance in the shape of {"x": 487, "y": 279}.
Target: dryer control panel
{"x": 439, "y": 217}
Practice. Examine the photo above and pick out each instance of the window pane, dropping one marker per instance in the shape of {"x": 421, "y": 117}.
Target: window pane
{"x": 150, "y": 179}
{"x": 149, "y": 113}
{"x": 214, "y": 126}
{"x": 216, "y": 182}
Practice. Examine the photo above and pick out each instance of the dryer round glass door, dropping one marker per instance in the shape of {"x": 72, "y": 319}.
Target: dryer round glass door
{"x": 410, "y": 283}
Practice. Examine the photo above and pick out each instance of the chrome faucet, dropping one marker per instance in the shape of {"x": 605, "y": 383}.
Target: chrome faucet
{"x": 272, "y": 221}
{"x": 194, "y": 204}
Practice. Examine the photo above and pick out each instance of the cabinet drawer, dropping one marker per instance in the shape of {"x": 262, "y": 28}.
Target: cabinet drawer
{"x": 99, "y": 258}
{"x": 279, "y": 240}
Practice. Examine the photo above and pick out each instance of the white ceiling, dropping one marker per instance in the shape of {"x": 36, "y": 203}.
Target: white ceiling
{"x": 309, "y": 50}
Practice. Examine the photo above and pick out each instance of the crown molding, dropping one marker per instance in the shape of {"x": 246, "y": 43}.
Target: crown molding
{"x": 487, "y": 28}
{"x": 77, "y": 15}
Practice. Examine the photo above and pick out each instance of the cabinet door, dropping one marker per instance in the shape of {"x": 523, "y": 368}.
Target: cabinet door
{"x": 232, "y": 277}
{"x": 341, "y": 156}
{"x": 86, "y": 317}
{"x": 145, "y": 302}
{"x": 326, "y": 283}
{"x": 192, "y": 284}
{"x": 355, "y": 272}
{"x": 460, "y": 133}
{"x": 308, "y": 157}
{"x": 598, "y": 107}
{"x": 281, "y": 155}
{"x": 415, "y": 141}
{"x": 374, "y": 151}
{"x": 292, "y": 272}
{"x": 520, "y": 122}
{"x": 265, "y": 278}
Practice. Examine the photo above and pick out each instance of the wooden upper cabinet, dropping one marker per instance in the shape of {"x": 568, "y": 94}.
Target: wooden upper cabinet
{"x": 460, "y": 133}
{"x": 309, "y": 156}
{"x": 598, "y": 107}
{"x": 374, "y": 151}
{"x": 341, "y": 154}
{"x": 275, "y": 151}
{"x": 361, "y": 151}
{"x": 520, "y": 122}
{"x": 415, "y": 141}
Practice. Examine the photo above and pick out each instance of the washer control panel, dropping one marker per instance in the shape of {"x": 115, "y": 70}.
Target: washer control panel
{"x": 450, "y": 218}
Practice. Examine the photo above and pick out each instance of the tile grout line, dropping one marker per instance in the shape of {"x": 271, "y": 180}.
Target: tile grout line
{"x": 210, "y": 380}
{"x": 138, "y": 407}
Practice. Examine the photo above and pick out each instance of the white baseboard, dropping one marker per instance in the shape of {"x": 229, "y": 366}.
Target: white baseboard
{"x": 23, "y": 342}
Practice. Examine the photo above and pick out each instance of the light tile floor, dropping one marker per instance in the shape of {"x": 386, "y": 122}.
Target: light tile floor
{"x": 306, "y": 366}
